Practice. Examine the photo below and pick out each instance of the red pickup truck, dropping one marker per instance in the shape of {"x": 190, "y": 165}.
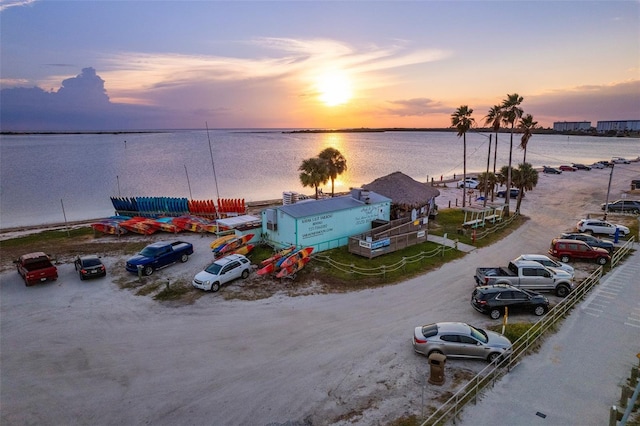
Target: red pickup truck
{"x": 35, "y": 268}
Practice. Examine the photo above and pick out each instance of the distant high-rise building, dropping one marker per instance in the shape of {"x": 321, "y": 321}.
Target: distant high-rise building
{"x": 565, "y": 126}
{"x": 618, "y": 126}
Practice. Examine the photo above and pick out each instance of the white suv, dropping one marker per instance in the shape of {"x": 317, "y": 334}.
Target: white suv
{"x": 598, "y": 226}
{"x": 222, "y": 271}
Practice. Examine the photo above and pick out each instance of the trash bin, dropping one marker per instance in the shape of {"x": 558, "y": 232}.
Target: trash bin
{"x": 436, "y": 362}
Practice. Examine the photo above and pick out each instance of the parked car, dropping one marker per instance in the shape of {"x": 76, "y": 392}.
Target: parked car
{"x": 35, "y": 268}
{"x": 222, "y": 271}
{"x": 619, "y": 160}
{"x": 469, "y": 182}
{"x": 457, "y": 339}
{"x": 551, "y": 170}
{"x": 89, "y": 266}
{"x": 590, "y": 239}
{"x": 628, "y": 206}
{"x": 598, "y": 165}
{"x": 599, "y": 226}
{"x": 566, "y": 250}
{"x": 581, "y": 166}
{"x": 567, "y": 168}
{"x": 493, "y": 299}
{"x": 546, "y": 261}
{"x": 513, "y": 193}
{"x": 159, "y": 255}
{"x": 528, "y": 275}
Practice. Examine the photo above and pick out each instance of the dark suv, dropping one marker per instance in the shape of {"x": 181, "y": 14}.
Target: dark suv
{"x": 628, "y": 206}
{"x": 493, "y": 299}
{"x": 590, "y": 239}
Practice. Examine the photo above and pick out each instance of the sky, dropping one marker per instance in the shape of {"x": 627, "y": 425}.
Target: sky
{"x": 134, "y": 65}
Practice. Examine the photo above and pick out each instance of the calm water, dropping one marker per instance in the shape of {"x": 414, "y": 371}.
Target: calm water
{"x": 41, "y": 173}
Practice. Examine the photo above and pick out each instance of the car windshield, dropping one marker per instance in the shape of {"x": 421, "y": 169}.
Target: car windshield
{"x": 214, "y": 268}
{"x": 149, "y": 251}
{"x": 91, "y": 262}
{"x": 479, "y": 334}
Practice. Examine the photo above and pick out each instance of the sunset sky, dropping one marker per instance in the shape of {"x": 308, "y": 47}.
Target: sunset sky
{"x": 101, "y": 65}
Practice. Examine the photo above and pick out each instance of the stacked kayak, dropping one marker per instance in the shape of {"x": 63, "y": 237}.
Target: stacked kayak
{"x": 111, "y": 225}
{"x": 286, "y": 262}
{"x": 232, "y": 244}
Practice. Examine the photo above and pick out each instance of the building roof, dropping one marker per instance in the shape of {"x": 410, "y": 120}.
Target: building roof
{"x": 313, "y": 207}
{"x": 402, "y": 189}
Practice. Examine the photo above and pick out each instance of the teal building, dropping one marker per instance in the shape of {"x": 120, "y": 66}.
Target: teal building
{"x": 326, "y": 223}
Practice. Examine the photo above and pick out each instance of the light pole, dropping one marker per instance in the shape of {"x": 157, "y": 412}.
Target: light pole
{"x": 606, "y": 204}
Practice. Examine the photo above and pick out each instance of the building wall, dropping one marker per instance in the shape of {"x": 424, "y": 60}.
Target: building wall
{"x": 564, "y": 126}
{"x": 323, "y": 231}
{"x": 618, "y": 126}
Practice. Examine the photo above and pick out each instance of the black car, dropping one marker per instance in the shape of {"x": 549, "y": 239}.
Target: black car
{"x": 581, "y": 166}
{"x": 513, "y": 193}
{"x": 628, "y": 206}
{"x": 89, "y": 266}
{"x": 590, "y": 239}
{"x": 551, "y": 170}
{"x": 493, "y": 299}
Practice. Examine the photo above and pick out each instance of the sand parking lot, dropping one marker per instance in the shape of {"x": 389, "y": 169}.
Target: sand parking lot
{"x": 86, "y": 352}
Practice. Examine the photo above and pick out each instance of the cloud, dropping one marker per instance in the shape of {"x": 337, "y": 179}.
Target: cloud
{"x": 5, "y": 4}
{"x": 417, "y": 107}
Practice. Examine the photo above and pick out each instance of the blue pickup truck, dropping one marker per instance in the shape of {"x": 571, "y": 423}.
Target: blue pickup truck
{"x": 158, "y": 255}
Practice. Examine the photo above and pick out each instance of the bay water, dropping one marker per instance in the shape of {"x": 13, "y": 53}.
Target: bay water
{"x": 47, "y": 178}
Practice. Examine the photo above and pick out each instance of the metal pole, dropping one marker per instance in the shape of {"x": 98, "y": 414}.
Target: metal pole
{"x": 118, "y": 180}
{"x": 606, "y": 204}
{"x": 188, "y": 183}
{"x": 65, "y": 217}
{"x": 213, "y": 166}
{"x": 486, "y": 176}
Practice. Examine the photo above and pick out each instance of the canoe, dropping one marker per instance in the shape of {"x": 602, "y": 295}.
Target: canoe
{"x": 277, "y": 256}
{"x": 234, "y": 244}
{"x": 293, "y": 258}
{"x": 165, "y": 224}
{"x": 220, "y": 242}
{"x": 139, "y": 225}
{"x": 292, "y": 269}
{"x": 267, "y": 269}
{"x": 244, "y": 250}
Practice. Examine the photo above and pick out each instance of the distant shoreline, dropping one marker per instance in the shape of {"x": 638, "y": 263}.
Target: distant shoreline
{"x": 313, "y": 131}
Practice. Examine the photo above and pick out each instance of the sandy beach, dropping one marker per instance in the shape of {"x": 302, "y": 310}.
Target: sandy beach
{"x": 88, "y": 352}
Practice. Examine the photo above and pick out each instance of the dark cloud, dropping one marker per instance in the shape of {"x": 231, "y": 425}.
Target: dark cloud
{"x": 80, "y": 104}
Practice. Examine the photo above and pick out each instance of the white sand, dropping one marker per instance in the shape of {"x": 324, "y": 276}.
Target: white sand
{"x": 86, "y": 352}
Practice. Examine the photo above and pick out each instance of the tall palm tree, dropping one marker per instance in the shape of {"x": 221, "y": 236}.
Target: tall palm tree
{"x": 462, "y": 121}
{"x": 336, "y": 163}
{"x": 527, "y": 125}
{"x": 494, "y": 118}
{"x": 525, "y": 178}
{"x": 314, "y": 173}
{"x": 511, "y": 113}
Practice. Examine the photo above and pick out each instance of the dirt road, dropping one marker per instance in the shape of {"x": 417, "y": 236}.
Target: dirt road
{"x": 86, "y": 352}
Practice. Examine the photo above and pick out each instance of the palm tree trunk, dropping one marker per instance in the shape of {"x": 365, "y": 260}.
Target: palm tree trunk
{"x": 507, "y": 194}
{"x": 464, "y": 169}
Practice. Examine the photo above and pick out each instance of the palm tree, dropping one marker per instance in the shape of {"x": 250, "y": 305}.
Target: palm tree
{"x": 315, "y": 172}
{"x": 488, "y": 183}
{"x": 525, "y": 178}
{"x": 461, "y": 120}
{"x": 494, "y": 117}
{"x": 527, "y": 125}
{"x": 511, "y": 113}
{"x": 336, "y": 163}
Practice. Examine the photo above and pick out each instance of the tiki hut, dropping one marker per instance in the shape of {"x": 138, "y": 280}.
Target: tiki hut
{"x": 409, "y": 198}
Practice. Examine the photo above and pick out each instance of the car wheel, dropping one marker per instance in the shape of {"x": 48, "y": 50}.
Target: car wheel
{"x": 539, "y": 310}
{"x": 148, "y": 270}
{"x": 495, "y": 314}
{"x": 602, "y": 261}
{"x": 562, "y": 291}
{"x": 184, "y": 257}
{"x": 588, "y": 231}
{"x": 565, "y": 258}
{"x": 215, "y": 287}
{"x": 493, "y": 356}
{"x": 245, "y": 273}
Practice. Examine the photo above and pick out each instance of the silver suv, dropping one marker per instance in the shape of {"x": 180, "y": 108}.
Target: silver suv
{"x": 222, "y": 271}
{"x": 598, "y": 226}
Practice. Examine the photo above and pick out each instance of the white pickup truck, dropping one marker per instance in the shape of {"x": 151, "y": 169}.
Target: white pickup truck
{"x": 529, "y": 275}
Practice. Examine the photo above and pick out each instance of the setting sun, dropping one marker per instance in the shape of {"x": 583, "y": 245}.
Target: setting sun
{"x": 334, "y": 88}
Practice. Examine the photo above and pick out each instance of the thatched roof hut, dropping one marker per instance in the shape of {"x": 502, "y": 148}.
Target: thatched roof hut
{"x": 405, "y": 193}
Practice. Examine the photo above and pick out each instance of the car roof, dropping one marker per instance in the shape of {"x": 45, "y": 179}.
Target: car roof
{"x": 453, "y": 327}
{"x": 533, "y": 256}
{"x": 524, "y": 262}
{"x": 229, "y": 258}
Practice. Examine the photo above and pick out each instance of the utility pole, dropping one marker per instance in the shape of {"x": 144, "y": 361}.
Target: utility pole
{"x": 486, "y": 176}
{"x": 606, "y": 204}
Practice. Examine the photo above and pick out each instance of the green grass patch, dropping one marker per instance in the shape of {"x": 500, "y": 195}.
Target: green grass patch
{"x": 46, "y": 236}
{"x": 177, "y": 290}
